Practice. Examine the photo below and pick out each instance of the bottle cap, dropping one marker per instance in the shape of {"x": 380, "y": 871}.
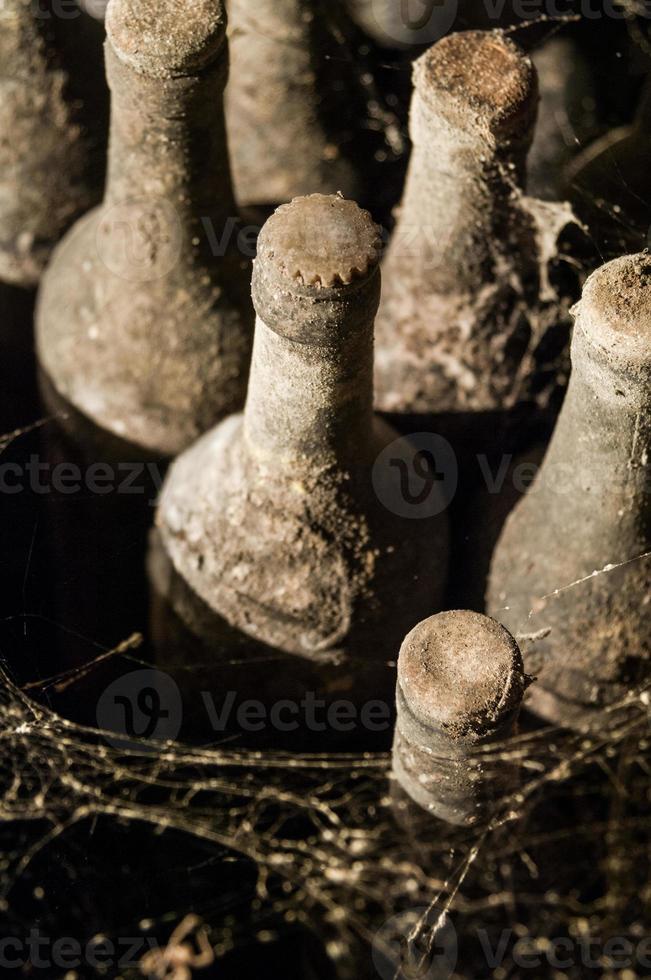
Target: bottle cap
{"x": 320, "y": 241}
{"x": 460, "y": 675}
{"x": 483, "y": 72}
{"x": 166, "y": 38}
{"x": 614, "y": 313}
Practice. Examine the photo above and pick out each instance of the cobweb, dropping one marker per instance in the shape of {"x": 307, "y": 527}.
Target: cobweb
{"x": 332, "y": 847}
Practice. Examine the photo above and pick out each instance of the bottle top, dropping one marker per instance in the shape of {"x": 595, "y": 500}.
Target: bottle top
{"x": 166, "y": 38}
{"x": 461, "y": 675}
{"x": 614, "y": 313}
{"x": 320, "y": 241}
{"x": 483, "y": 72}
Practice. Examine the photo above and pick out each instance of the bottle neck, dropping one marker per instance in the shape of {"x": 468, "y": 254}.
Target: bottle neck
{"x": 297, "y": 138}
{"x": 599, "y": 460}
{"x": 279, "y": 20}
{"x": 309, "y": 402}
{"x": 168, "y": 141}
{"x": 459, "y": 211}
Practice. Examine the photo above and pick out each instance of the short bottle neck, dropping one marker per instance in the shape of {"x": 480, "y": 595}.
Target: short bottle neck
{"x": 309, "y": 402}
{"x": 459, "y": 210}
{"x": 168, "y": 141}
{"x": 313, "y": 400}
{"x": 599, "y": 460}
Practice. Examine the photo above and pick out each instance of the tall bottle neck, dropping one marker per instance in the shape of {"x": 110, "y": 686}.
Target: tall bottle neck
{"x": 168, "y": 141}
{"x": 460, "y": 207}
{"x": 311, "y": 397}
{"x": 278, "y": 20}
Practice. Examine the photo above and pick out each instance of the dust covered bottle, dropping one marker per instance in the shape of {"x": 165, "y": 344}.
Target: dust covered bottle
{"x": 460, "y": 687}
{"x": 142, "y": 325}
{"x": 571, "y": 573}
{"x": 45, "y": 150}
{"x": 467, "y": 307}
{"x": 295, "y": 104}
{"x": 275, "y": 517}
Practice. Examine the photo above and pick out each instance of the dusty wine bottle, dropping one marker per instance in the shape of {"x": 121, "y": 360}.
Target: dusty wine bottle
{"x": 293, "y": 103}
{"x": 45, "y": 155}
{"x": 274, "y": 518}
{"x": 463, "y": 314}
{"x": 460, "y": 687}
{"x": 571, "y": 571}
{"x": 142, "y": 326}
